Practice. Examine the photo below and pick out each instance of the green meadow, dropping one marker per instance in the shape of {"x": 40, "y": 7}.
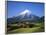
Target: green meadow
{"x": 38, "y": 27}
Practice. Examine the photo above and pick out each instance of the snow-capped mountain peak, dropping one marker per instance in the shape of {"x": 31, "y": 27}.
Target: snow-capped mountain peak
{"x": 26, "y": 15}
{"x": 25, "y": 12}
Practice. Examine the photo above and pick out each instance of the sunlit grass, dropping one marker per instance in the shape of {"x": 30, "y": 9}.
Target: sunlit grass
{"x": 36, "y": 28}
{"x": 27, "y": 30}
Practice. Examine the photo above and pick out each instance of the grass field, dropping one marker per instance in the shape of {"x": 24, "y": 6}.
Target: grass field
{"x": 37, "y": 28}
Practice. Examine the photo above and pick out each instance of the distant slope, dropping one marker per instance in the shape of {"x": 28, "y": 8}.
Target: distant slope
{"x": 25, "y": 16}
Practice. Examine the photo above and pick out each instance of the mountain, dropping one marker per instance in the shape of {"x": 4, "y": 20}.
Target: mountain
{"x": 24, "y": 16}
{"x": 27, "y": 16}
{"x": 41, "y": 19}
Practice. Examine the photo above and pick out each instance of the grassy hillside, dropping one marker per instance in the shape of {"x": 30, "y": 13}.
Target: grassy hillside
{"x": 38, "y": 27}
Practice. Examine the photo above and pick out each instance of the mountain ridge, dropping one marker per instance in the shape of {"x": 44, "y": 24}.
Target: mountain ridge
{"x": 24, "y": 16}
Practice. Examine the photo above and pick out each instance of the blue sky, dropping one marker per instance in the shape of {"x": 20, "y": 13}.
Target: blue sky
{"x": 14, "y": 8}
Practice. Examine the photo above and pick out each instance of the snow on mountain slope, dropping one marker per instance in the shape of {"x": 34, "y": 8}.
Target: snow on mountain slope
{"x": 26, "y": 15}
